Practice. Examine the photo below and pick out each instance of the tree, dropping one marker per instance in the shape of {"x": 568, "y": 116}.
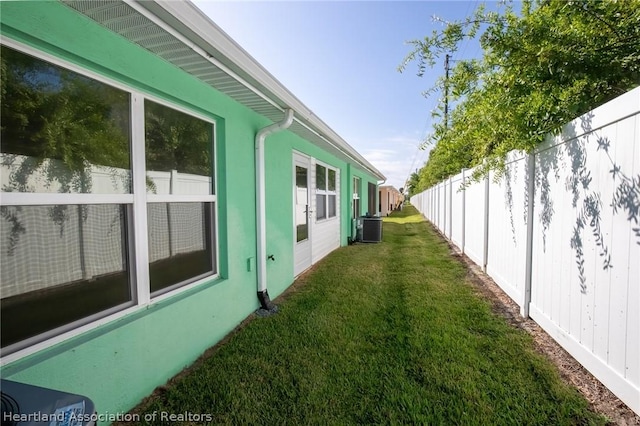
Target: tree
{"x": 413, "y": 184}
{"x": 540, "y": 68}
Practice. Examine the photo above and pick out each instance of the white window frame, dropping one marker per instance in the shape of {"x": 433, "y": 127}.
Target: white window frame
{"x": 136, "y": 202}
{"x": 179, "y": 198}
{"x": 357, "y": 187}
{"x": 326, "y": 192}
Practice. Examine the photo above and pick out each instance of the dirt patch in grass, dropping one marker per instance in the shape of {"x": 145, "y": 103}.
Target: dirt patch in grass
{"x": 572, "y": 372}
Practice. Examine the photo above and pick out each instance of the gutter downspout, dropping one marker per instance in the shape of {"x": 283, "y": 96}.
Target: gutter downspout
{"x": 261, "y": 213}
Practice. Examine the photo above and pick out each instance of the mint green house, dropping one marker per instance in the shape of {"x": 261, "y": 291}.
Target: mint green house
{"x": 158, "y": 187}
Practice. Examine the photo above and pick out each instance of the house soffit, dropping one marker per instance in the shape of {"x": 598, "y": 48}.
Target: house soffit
{"x": 208, "y": 65}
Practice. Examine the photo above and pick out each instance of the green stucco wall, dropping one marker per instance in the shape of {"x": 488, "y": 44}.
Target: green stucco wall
{"x": 120, "y": 363}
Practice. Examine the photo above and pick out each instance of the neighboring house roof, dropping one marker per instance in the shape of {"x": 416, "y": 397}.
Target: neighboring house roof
{"x": 390, "y": 188}
{"x": 183, "y": 35}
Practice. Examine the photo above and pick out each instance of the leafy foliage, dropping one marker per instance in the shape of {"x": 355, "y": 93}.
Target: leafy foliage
{"x": 58, "y": 126}
{"x": 541, "y": 67}
{"x": 177, "y": 141}
{"x": 413, "y": 183}
{"x": 49, "y": 113}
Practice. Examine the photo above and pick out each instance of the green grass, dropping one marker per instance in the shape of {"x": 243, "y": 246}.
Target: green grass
{"x": 379, "y": 333}
{"x": 407, "y": 215}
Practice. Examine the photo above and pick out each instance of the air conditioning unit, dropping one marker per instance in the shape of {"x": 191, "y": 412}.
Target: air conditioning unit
{"x": 371, "y": 229}
{"x": 24, "y": 404}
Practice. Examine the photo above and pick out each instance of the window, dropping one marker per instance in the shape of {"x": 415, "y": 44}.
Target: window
{"x": 62, "y": 132}
{"x": 55, "y": 273}
{"x": 372, "y": 199}
{"x": 179, "y": 164}
{"x": 69, "y": 136}
{"x": 356, "y": 197}
{"x": 321, "y": 192}
{"x": 326, "y": 195}
{"x": 332, "y": 192}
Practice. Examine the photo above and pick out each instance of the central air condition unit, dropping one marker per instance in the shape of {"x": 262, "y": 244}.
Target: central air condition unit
{"x": 371, "y": 229}
{"x": 24, "y": 404}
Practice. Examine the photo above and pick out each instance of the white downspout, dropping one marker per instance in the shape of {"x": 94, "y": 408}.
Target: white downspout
{"x": 261, "y": 212}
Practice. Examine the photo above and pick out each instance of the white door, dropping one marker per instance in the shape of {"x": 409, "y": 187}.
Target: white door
{"x": 301, "y": 213}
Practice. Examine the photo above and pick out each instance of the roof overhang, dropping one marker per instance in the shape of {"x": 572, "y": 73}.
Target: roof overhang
{"x": 183, "y": 35}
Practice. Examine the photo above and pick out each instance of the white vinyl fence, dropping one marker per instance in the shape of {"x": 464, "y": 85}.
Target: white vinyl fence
{"x": 560, "y": 234}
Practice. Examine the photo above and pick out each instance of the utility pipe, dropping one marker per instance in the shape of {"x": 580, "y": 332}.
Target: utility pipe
{"x": 261, "y": 213}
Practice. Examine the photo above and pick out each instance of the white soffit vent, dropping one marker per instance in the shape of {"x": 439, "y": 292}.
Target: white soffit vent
{"x": 125, "y": 20}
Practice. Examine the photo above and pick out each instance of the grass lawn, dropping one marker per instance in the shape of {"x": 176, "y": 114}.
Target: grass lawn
{"x": 379, "y": 333}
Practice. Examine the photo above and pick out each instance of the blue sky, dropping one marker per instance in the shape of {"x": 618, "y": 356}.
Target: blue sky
{"x": 341, "y": 58}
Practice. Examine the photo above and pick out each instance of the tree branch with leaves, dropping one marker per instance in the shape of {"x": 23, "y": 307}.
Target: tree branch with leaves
{"x": 541, "y": 66}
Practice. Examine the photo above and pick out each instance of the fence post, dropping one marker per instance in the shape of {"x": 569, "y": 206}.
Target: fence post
{"x": 444, "y": 210}
{"x": 81, "y": 245}
{"x": 464, "y": 208}
{"x": 531, "y": 163}
{"x": 440, "y": 215}
{"x": 485, "y": 255}
{"x": 438, "y": 206}
{"x": 450, "y": 207}
{"x": 433, "y": 204}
